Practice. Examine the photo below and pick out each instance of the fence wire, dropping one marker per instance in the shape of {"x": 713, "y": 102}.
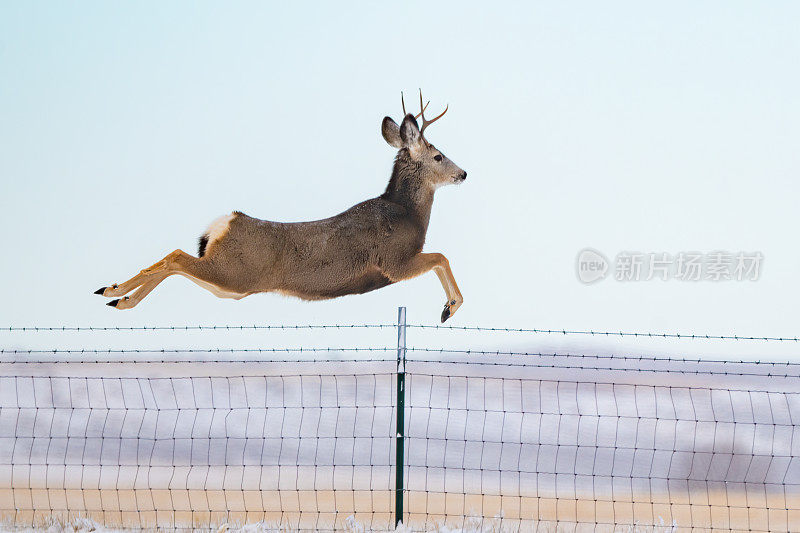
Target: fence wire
{"x": 255, "y": 327}
{"x": 304, "y": 439}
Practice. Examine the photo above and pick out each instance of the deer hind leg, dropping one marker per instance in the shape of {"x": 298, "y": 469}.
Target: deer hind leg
{"x": 422, "y": 263}
{"x": 200, "y": 271}
{"x": 139, "y": 279}
{"x": 126, "y": 302}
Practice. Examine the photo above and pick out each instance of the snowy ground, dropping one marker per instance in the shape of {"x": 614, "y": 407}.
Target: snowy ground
{"x": 475, "y": 525}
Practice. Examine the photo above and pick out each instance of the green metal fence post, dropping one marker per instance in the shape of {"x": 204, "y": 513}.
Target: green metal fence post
{"x": 401, "y": 407}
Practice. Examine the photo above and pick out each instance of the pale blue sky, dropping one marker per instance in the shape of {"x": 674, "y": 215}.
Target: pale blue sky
{"x": 126, "y": 128}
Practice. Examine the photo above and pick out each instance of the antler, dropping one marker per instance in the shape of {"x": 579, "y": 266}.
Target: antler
{"x": 402, "y": 101}
{"x": 426, "y": 122}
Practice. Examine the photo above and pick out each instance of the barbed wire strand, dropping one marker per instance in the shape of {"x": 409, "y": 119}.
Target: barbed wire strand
{"x": 657, "y": 358}
{"x": 196, "y": 327}
{"x": 654, "y": 335}
{"x": 599, "y": 333}
{"x": 443, "y": 351}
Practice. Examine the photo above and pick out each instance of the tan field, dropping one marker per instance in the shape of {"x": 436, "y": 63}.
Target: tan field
{"x": 326, "y": 510}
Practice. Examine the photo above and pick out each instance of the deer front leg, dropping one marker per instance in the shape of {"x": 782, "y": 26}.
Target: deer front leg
{"x": 422, "y": 263}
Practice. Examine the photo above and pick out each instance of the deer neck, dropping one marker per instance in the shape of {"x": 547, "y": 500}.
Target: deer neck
{"x": 407, "y": 188}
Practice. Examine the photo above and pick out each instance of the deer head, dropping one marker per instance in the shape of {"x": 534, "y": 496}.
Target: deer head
{"x": 432, "y": 166}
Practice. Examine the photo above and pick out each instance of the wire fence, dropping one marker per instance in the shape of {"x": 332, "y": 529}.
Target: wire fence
{"x": 311, "y": 439}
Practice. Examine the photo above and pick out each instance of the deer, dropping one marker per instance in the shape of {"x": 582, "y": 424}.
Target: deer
{"x": 373, "y": 244}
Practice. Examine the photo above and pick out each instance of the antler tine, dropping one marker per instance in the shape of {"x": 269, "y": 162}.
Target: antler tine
{"x": 402, "y": 101}
{"x": 426, "y": 122}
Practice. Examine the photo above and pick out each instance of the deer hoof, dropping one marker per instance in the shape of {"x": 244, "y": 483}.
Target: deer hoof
{"x": 116, "y": 303}
{"x": 110, "y": 291}
{"x": 446, "y": 312}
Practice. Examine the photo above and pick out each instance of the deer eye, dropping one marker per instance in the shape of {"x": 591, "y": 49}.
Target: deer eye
{"x": 438, "y": 157}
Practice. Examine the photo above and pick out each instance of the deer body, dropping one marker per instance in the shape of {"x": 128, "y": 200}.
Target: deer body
{"x": 371, "y": 245}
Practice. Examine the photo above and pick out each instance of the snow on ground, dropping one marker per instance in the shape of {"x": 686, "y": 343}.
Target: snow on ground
{"x": 472, "y": 525}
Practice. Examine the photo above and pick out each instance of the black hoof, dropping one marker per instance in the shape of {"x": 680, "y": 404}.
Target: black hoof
{"x": 100, "y": 291}
{"x": 445, "y": 313}
{"x": 113, "y": 303}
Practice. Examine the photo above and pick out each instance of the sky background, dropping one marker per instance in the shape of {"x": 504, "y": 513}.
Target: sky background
{"x": 125, "y": 129}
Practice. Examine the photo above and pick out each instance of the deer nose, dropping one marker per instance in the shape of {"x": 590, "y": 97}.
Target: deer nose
{"x": 463, "y": 176}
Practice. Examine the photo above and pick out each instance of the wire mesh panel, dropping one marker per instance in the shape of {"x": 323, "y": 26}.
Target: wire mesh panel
{"x": 585, "y": 455}
{"x": 496, "y": 437}
{"x": 302, "y": 451}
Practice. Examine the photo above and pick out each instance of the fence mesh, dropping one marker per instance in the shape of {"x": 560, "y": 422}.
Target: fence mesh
{"x": 536, "y": 454}
{"x": 298, "y": 450}
{"x": 505, "y": 439}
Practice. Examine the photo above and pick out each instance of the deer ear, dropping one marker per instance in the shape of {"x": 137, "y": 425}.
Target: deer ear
{"x": 409, "y": 131}
{"x": 391, "y": 132}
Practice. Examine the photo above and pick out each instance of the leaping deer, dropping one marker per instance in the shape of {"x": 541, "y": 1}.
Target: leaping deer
{"x": 371, "y": 245}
